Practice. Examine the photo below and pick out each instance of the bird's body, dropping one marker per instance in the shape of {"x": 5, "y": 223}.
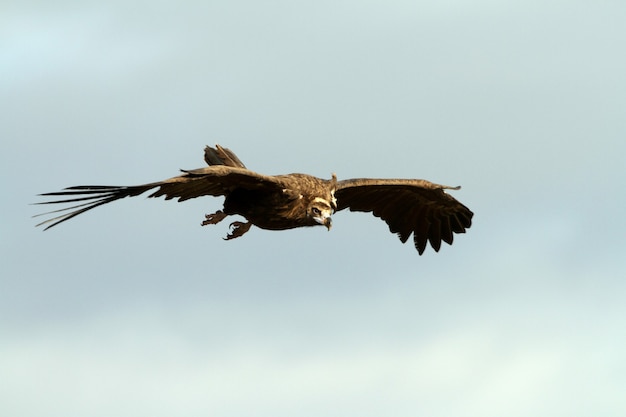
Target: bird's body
{"x": 283, "y": 209}
{"x": 294, "y": 200}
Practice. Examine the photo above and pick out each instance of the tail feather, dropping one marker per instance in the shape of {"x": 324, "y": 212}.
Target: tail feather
{"x": 221, "y": 156}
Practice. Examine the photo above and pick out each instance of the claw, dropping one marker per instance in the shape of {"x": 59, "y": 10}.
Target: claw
{"x": 214, "y": 218}
{"x": 237, "y": 229}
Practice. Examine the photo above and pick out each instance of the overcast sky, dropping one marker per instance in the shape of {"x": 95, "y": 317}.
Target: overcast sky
{"x": 135, "y": 310}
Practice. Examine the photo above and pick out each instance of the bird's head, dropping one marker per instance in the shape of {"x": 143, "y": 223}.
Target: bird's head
{"x": 320, "y": 210}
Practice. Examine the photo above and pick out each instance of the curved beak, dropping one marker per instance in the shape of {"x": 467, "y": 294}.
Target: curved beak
{"x": 328, "y": 222}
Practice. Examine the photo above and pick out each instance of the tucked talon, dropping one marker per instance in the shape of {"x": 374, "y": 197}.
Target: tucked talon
{"x": 237, "y": 230}
{"x": 214, "y": 218}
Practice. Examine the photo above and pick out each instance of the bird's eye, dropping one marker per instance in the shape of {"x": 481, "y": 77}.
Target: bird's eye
{"x": 316, "y": 210}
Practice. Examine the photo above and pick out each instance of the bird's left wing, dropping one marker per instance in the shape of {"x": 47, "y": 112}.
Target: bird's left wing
{"x": 408, "y": 206}
{"x": 214, "y": 180}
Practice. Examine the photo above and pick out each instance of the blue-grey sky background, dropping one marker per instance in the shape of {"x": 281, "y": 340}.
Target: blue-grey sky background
{"x": 135, "y": 310}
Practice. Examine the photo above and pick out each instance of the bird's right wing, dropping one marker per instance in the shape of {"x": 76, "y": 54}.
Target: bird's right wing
{"x": 215, "y": 180}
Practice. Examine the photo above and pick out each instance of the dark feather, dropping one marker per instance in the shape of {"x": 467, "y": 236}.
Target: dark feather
{"x": 96, "y": 196}
{"x": 216, "y": 180}
{"x": 221, "y": 156}
{"x": 408, "y": 206}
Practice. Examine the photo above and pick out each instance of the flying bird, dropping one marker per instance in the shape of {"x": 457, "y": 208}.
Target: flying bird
{"x": 280, "y": 202}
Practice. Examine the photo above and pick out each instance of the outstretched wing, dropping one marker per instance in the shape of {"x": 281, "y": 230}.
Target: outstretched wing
{"x": 214, "y": 180}
{"x": 417, "y": 207}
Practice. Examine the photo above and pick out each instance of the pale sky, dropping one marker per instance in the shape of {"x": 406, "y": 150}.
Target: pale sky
{"x": 135, "y": 310}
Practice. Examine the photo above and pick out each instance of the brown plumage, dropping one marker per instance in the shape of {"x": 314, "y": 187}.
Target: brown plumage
{"x": 280, "y": 202}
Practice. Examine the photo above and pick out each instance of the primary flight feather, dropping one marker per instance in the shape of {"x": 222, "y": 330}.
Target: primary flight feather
{"x": 279, "y": 202}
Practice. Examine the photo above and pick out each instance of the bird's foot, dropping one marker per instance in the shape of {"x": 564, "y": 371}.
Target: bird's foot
{"x": 237, "y": 229}
{"x": 214, "y": 218}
